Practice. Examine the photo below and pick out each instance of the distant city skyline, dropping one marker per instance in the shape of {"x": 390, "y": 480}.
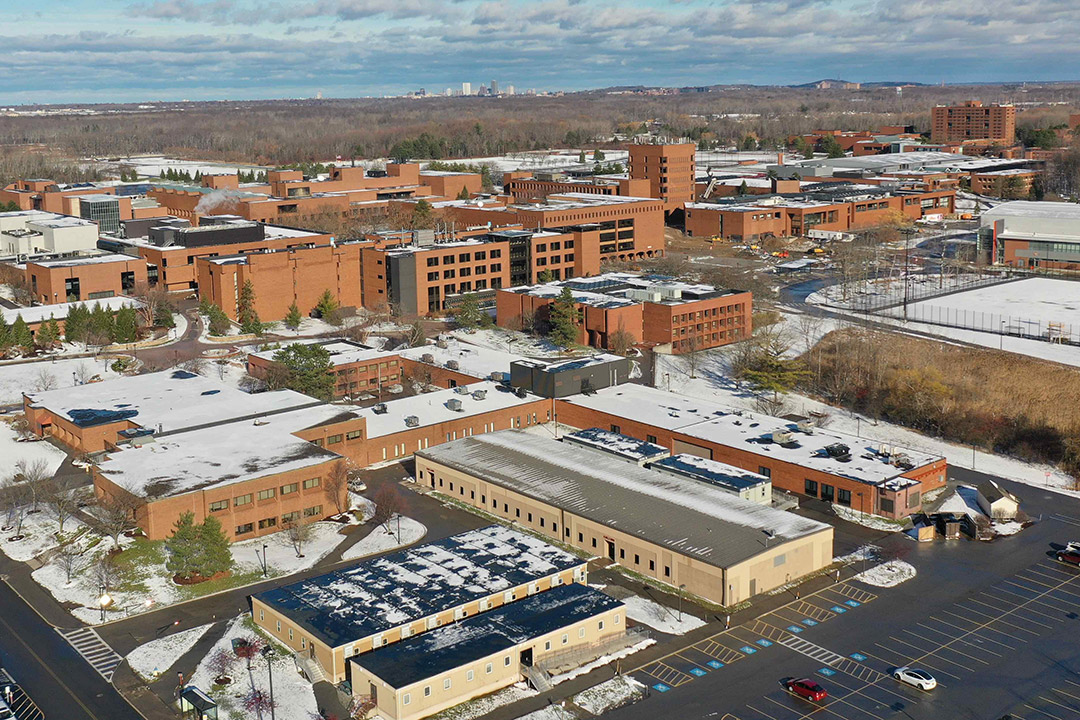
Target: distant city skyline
{"x": 60, "y": 51}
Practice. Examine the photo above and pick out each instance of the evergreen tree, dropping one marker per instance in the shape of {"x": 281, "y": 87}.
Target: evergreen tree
{"x": 183, "y": 547}
{"x": 21, "y": 335}
{"x": 45, "y": 337}
{"x": 769, "y": 368}
{"x": 125, "y": 327}
{"x": 831, "y": 147}
{"x": 598, "y": 155}
{"x": 77, "y": 323}
{"x": 163, "y": 316}
{"x": 743, "y": 189}
{"x": 163, "y": 176}
{"x": 293, "y": 318}
{"x": 219, "y": 321}
{"x": 212, "y": 553}
{"x": 327, "y": 307}
{"x": 5, "y": 336}
{"x": 468, "y": 312}
{"x": 581, "y": 157}
{"x": 100, "y": 328}
{"x": 54, "y": 330}
{"x": 307, "y": 369}
{"x": 565, "y": 317}
{"x": 464, "y": 194}
{"x": 245, "y": 310}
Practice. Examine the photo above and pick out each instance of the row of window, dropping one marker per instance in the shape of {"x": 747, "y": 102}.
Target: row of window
{"x": 361, "y": 369}
{"x": 267, "y": 494}
{"x": 465, "y": 257}
{"x": 270, "y": 522}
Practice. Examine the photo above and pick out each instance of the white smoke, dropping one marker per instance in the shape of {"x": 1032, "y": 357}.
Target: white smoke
{"x": 218, "y": 202}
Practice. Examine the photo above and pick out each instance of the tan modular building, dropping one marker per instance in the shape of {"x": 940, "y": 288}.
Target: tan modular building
{"x": 680, "y": 531}
{"x": 445, "y": 667}
{"x": 328, "y": 619}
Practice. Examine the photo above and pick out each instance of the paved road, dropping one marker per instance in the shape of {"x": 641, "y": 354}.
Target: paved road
{"x": 49, "y": 669}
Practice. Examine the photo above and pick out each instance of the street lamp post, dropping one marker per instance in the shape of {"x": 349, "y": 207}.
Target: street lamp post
{"x": 264, "y": 560}
{"x": 268, "y": 653}
{"x": 103, "y": 600}
{"x": 1001, "y": 337}
{"x": 681, "y": 588}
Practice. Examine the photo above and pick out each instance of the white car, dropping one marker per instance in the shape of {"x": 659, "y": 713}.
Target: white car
{"x": 1073, "y": 546}
{"x": 916, "y": 678}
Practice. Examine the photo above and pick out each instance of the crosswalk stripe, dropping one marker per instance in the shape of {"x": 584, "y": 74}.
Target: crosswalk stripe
{"x": 95, "y": 651}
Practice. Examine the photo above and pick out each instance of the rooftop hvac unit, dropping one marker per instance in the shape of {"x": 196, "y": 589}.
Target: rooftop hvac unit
{"x": 453, "y": 365}
{"x": 672, "y": 293}
{"x": 427, "y": 358}
{"x": 884, "y": 450}
{"x": 441, "y": 343}
{"x": 454, "y": 404}
{"x": 412, "y": 421}
{"x": 642, "y": 295}
{"x": 461, "y": 390}
{"x": 521, "y": 392}
{"x": 783, "y": 438}
{"x": 497, "y": 375}
{"x": 379, "y": 408}
{"x": 805, "y": 426}
{"x": 838, "y": 451}
{"x": 479, "y": 394}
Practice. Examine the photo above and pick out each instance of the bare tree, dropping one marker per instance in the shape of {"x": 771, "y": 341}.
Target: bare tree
{"x": 114, "y": 514}
{"x": 44, "y": 380}
{"x": 14, "y": 497}
{"x": 152, "y": 299}
{"x": 277, "y": 376}
{"x": 336, "y": 483}
{"x": 84, "y": 373}
{"x": 33, "y": 473}
{"x": 106, "y": 573}
{"x": 692, "y": 353}
{"x": 60, "y": 496}
{"x": 298, "y": 532}
{"x": 388, "y": 504}
{"x": 416, "y": 333}
{"x": 620, "y": 341}
{"x": 69, "y": 559}
{"x": 194, "y": 365}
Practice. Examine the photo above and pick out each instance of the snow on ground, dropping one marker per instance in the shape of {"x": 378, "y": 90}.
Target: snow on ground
{"x": 874, "y": 522}
{"x": 293, "y": 696}
{"x": 713, "y": 383}
{"x": 602, "y": 661}
{"x": 1007, "y": 528}
{"x": 482, "y": 706}
{"x": 151, "y": 659}
{"x": 551, "y": 712}
{"x": 39, "y": 534}
{"x": 515, "y": 342}
{"x": 380, "y": 541}
{"x": 614, "y": 693}
{"x": 888, "y": 574}
{"x": 543, "y": 159}
{"x": 660, "y": 617}
{"x": 29, "y": 376}
{"x": 281, "y": 556}
{"x": 12, "y": 451}
{"x": 866, "y": 552}
{"x": 152, "y": 166}
{"x": 889, "y": 289}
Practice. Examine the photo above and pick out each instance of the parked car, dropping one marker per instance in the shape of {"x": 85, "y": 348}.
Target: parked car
{"x": 5, "y": 711}
{"x": 1069, "y": 556}
{"x": 806, "y": 688}
{"x": 1072, "y": 546}
{"x": 358, "y": 486}
{"x": 915, "y": 677}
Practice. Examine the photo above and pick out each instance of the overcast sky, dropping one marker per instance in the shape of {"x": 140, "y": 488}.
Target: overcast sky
{"x": 129, "y": 50}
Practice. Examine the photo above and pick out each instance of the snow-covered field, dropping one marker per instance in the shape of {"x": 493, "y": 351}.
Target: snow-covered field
{"x": 151, "y": 659}
{"x": 887, "y": 574}
{"x": 873, "y": 522}
{"x": 281, "y": 556}
{"x": 12, "y": 452}
{"x": 513, "y": 341}
{"x": 660, "y": 617}
{"x": 152, "y": 166}
{"x": 614, "y": 693}
{"x": 551, "y": 712}
{"x": 542, "y": 159}
{"x": 39, "y": 534}
{"x": 48, "y": 374}
{"x": 293, "y": 697}
{"x": 713, "y": 382}
{"x": 380, "y": 541}
{"x": 889, "y": 289}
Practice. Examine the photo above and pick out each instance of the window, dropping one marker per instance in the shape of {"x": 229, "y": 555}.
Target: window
{"x": 637, "y": 559}
{"x": 267, "y": 523}
{"x": 446, "y": 684}
{"x": 616, "y": 429}
{"x": 290, "y": 634}
{"x": 581, "y": 632}
{"x": 506, "y": 661}
{"x": 432, "y": 261}
{"x": 242, "y": 500}
{"x": 427, "y": 691}
{"x": 313, "y": 511}
{"x": 265, "y": 494}
{"x": 652, "y": 565}
{"x": 279, "y": 626}
{"x": 565, "y": 638}
{"x": 650, "y": 438}
{"x": 913, "y": 499}
{"x": 843, "y": 496}
{"x": 219, "y": 506}
{"x": 581, "y": 537}
{"x": 667, "y": 571}
{"x": 353, "y": 435}
{"x": 594, "y": 542}
{"x": 333, "y": 440}
{"x": 448, "y": 260}
{"x": 469, "y": 676}
{"x": 600, "y": 625}
{"x": 406, "y": 698}
{"x": 811, "y": 487}
{"x": 762, "y": 470}
{"x": 303, "y": 642}
{"x": 245, "y": 528}
{"x": 289, "y": 489}
{"x": 496, "y": 253}
{"x": 313, "y": 482}
{"x": 779, "y": 560}
{"x": 616, "y": 619}
{"x": 487, "y": 669}
{"x": 464, "y": 257}
{"x": 290, "y": 517}
{"x": 887, "y": 505}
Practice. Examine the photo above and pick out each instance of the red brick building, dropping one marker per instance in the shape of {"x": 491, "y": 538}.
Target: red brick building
{"x": 669, "y": 169}
{"x": 972, "y": 120}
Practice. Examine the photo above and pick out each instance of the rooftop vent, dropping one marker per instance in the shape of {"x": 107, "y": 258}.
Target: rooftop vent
{"x": 454, "y": 404}
{"x": 427, "y": 358}
{"x": 479, "y": 394}
{"x": 379, "y": 408}
{"x": 453, "y": 365}
{"x": 838, "y": 451}
{"x": 806, "y": 426}
{"x": 461, "y": 390}
{"x": 412, "y": 421}
{"x": 783, "y": 438}
{"x": 442, "y": 343}
{"x": 521, "y": 392}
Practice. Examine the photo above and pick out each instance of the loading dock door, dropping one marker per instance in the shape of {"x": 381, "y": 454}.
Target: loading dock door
{"x": 681, "y": 446}
{"x": 610, "y": 550}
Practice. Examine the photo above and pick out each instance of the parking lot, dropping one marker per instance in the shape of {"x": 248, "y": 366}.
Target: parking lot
{"x": 995, "y": 623}
{"x": 20, "y": 703}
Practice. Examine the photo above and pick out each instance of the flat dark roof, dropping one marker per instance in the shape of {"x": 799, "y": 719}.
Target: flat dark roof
{"x": 436, "y": 651}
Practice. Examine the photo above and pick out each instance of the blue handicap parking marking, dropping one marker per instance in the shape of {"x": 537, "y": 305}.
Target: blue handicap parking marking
{"x": 809, "y": 623}
{"x": 794, "y": 628}
{"x": 661, "y": 687}
{"x": 858, "y": 656}
{"x": 747, "y": 650}
{"x": 852, "y": 603}
{"x": 697, "y": 672}
{"x": 838, "y": 609}
{"x": 763, "y": 643}
{"x": 715, "y": 664}
{"x": 827, "y": 672}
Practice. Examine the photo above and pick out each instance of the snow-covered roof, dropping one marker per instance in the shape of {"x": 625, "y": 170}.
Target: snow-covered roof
{"x": 84, "y": 260}
{"x": 479, "y": 362}
{"x": 434, "y": 408}
{"x": 342, "y": 352}
{"x": 38, "y": 313}
{"x": 617, "y": 444}
{"x": 447, "y": 648}
{"x": 1033, "y": 209}
{"x": 752, "y": 433}
{"x": 694, "y": 519}
{"x": 377, "y": 595}
{"x": 711, "y": 471}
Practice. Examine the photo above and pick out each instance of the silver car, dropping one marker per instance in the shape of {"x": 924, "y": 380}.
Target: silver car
{"x": 915, "y": 678}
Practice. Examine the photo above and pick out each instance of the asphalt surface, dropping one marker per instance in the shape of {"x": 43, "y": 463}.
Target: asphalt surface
{"x": 996, "y": 623}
